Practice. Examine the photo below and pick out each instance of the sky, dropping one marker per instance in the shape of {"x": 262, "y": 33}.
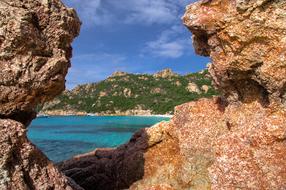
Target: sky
{"x": 135, "y": 36}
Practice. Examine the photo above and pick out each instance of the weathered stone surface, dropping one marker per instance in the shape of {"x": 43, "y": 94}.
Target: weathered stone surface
{"x": 252, "y": 156}
{"x": 35, "y": 52}
{"x": 234, "y": 142}
{"x": 246, "y": 41}
{"x": 206, "y": 145}
{"x": 23, "y": 166}
{"x": 205, "y": 88}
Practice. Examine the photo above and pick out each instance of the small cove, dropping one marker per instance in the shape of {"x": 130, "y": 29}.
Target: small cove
{"x": 61, "y": 137}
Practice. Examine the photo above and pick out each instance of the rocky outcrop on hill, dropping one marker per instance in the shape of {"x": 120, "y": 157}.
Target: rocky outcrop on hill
{"x": 35, "y": 52}
{"x": 166, "y": 73}
{"x": 192, "y": 87}
{"x": 234, "y": 142}
{"x": 118, "y": 74}
{"x": 35, "y": 46}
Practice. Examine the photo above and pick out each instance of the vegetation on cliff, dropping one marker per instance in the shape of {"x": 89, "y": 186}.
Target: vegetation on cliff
{"x": 158, "y": 93}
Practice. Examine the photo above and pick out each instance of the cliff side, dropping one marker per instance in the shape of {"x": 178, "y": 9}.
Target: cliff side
{"x": 234, "y": 142}
{"x": 35, "y": 52}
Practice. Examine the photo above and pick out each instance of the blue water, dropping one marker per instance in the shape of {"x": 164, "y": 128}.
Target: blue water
{"x": 60, "y": 138}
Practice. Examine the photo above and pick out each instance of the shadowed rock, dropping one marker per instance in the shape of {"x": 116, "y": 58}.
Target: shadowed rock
{"x": 112, "y": 169}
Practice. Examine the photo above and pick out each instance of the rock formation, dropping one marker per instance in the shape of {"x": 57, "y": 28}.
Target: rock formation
{"x": 237, "y": 141}
{"x": 193, "y": 87}
{"x": 118, "y": 74}
{"x": 35, "y": 46}
{"x": 111, "y": 169}
{"x": 166, "y": 73}
{"x": 205, "y": 88}
{"x": 35, "y": 52}
{"x": 246, "y": 41}
{"x": 23, "y": 166}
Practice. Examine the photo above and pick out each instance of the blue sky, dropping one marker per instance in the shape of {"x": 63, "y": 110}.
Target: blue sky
{"x": 137, "y": 36}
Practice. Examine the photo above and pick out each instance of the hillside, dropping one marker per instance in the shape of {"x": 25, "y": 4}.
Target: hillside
{"x": 133, "y": 94}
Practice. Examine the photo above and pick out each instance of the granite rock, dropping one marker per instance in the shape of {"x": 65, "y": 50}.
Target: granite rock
{"x": 166, "y": 73}
{"x": 208, "y": 144}
{"x": 246, "y": 42}
{"x": 35, "y": 52}
{"x": 237, "y": 141}
{"x": 23, "y": 166}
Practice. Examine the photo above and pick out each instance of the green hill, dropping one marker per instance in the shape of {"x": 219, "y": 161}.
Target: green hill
{"x": 128, "y": 94}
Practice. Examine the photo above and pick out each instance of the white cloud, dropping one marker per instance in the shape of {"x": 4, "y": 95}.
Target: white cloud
{"x": 107, "y": 12}
{"x": 167, "y": 49}
{"x": 169, "y": 44}
{"x": 91, "y": 12}
{"x": 150, "y": 12}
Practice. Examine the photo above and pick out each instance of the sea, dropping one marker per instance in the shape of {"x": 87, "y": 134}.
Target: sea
{"x": 63, "y": 137}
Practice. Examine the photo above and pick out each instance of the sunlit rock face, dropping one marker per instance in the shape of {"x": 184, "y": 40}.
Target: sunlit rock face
{"x": 35, "y": 52}
{"x": 206, "y": 145}
{"x": 237, "y": 141}
{"x": 246, "y": 41}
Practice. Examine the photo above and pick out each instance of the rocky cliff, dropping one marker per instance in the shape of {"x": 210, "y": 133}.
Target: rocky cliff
{"x": 35, "y": 52}
{"x": 236, "y": 141}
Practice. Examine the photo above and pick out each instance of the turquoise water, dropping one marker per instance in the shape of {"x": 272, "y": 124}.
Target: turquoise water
{"x": 60, "y": 138}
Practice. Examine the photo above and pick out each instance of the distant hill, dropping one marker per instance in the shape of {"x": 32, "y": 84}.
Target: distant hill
{"x": 133, "y": 94}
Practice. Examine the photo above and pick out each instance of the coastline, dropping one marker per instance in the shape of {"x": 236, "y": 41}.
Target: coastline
{"x": 100, "y": 115}
{"x": 141, "y": 113}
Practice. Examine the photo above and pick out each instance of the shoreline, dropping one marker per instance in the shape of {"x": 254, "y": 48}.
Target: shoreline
{"x": 95, "y": 115}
